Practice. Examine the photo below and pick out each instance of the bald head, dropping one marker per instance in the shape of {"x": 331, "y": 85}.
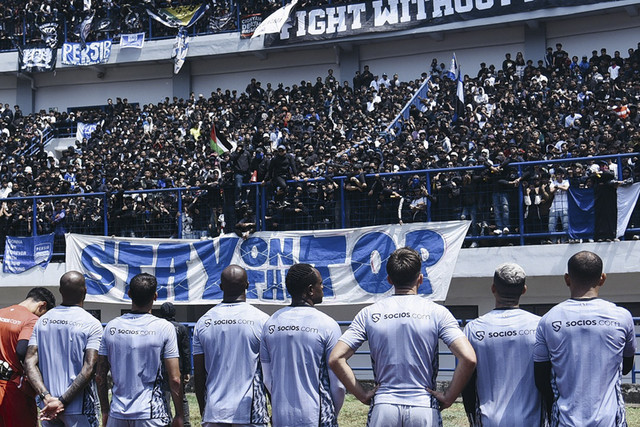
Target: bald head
{"x": 233, "y": 282}
{"x": 72, "y": 288}
{"x": 585, "y": 269}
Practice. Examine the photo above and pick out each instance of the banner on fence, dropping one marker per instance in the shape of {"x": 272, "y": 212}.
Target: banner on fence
{"x": 352, "y": 262}
{"x": 24, "y": 253}
{"x": 32, "y": 59}
{"x": 132, "y": 40}
{"x": 94, "y": 53}
{"x": 248, "y": 24}
{"x": 329, "y": 21}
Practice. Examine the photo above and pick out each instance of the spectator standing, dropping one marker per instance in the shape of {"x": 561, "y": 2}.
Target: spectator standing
{"x": 168, "y": 312}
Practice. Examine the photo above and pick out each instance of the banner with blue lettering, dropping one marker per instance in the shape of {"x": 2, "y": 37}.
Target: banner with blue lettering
{"x": 24, "y": 253}
{"x": 352, "y": 262}
{"x": 93, "y": 53}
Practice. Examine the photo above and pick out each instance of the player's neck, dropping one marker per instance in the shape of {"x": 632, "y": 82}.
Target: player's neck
{"x": 584, "y": 293}
{"x": 301, "y": 302}
{"x": 136, "y": 309}
{"x": 229, "y": 299}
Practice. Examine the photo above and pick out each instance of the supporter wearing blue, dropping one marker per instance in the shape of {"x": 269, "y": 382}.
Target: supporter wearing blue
{"x": 226, "y": 346}
{"x": 403, "y": 332}
{"x": 583, "y": 347}
{"x": 132, "y": 348}
{"x": 502, "y": 390}
{"x": 61, "y": 359}
{"x": 294, "y": 352}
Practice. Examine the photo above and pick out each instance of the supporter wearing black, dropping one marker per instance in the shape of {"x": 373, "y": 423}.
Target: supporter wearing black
{"x": 282, "y": 167}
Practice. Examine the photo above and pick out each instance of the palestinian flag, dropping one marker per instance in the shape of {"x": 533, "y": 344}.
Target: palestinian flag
{"x": 219, "y": 142}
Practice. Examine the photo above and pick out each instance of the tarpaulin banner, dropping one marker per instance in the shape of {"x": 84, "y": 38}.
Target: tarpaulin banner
{"x": 33, "y": 59}
{"x": 352, "y": 262}
{"x": 24, "y": 253}
{"x": 93, "y": 53}
{"x": 329, "y": 22}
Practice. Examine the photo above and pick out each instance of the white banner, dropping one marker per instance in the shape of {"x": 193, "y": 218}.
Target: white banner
{"x": 352, "y": 262}
{"x": 91, "y": 54}
{"x": 132, "y": 40}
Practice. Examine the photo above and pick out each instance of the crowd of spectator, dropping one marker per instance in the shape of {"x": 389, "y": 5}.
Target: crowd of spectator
{"x": 57, "y": 21}
{"x": 332, "y": 139}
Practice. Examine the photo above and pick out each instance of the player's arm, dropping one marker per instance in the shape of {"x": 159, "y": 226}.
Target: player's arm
{"x": 172, "y": 365}
{"x": 199, "y": 380}
{"x": 469, "y": 398}
{"x": 542, "y": 376}
{"x": 463, "y": 351}
{"x": 627, "y": 364}
{"x": 338, "y": 363}
{"x": 35, "y": 378}
{"x": 102, "y": 371}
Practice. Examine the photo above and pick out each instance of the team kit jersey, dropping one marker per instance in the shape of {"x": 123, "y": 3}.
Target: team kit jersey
{"x": 136, "y": 346}
{"x": 294, "y": 351}
{"x": 585, "y": 341}
{"x": 62, "y": 336}
{"x": 16, "y": 324}
{"x": 403, "y": 333}
{"x": 506, "y": 394}
{"x": 228, "y": 336}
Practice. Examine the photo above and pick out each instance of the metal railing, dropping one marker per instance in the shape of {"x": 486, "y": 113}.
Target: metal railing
{"x": 306, "y": 205}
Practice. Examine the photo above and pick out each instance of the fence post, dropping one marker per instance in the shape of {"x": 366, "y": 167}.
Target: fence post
{"x": 520, "y": 207}
{"x": 180, "y": 213}
{"x": 343, "y": 219}
{"x": 428, "y": 200}
{"x": 34, "y": 231}
{"x": 105, "y": 214}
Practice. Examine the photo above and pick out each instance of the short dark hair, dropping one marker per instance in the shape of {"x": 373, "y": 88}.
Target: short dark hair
{"x": 142, "y": 289}
{"x": 299, "y": 277}
{"x": 585, "y": 268}
{"x": 509, "y": 280}
{"x": 403, "y": 267}
{"x": 39, "y": 294}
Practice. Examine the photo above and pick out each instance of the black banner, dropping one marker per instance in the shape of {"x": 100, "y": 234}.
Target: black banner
{"x": 248, "y": 24}
{"x": 36, "y": 59}
{"x": 332, "y": 22}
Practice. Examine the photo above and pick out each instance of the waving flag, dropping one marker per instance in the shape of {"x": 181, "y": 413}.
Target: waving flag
{"x": 176, "y": 17}
{"x": 219, "y": 142}
{"x": 180, "y": 49}
{"x": 275, "y": 21}
{"x": 459, "y": 99}
{"x": 453, "y": 68}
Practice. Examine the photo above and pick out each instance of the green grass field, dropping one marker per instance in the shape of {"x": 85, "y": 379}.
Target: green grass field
{"x": 354, "y": 414}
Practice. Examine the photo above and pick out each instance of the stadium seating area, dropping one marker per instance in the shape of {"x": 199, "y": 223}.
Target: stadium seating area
{"x": 335, "y": 132}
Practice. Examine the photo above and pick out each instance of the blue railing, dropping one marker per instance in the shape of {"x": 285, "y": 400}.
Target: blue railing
{"x": 346, "y": 213}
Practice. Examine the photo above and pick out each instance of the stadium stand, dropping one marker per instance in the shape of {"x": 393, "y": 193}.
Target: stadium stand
{"x": 347, "y": 170}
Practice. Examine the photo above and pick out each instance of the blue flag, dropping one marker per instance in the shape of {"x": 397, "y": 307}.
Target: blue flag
{"x": 23, "y": 253}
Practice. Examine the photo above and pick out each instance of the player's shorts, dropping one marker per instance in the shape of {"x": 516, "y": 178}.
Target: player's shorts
{"x": 232, "y": 425}
{"x": 117, "y": 422}
{"x": 73, "y": 420}
{"x": 387, "y": 414}
{"x": 16, "y": 407}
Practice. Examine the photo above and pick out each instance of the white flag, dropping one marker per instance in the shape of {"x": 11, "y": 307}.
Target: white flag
{"x": 274, "y": 22}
